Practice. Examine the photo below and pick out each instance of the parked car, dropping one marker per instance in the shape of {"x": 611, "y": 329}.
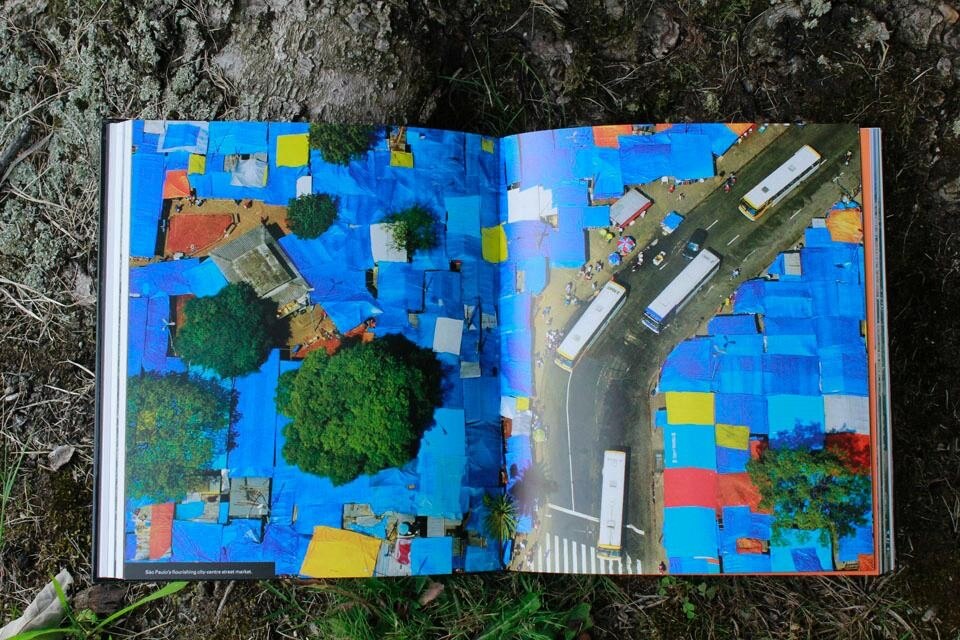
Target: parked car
{"x": 657, "y": 261}
{"x": 694, "y": 244}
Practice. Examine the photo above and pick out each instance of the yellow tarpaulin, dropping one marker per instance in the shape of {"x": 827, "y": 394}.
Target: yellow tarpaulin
{"x": 338, "y": 553}
{"x": 689, "y": 407}
{"x": 293, "y": 150}
{"x": 197, "y": 163}
{"x": 486, "y": 144}
{"x": 401, "y": 159}
{"x": 733, "y": 436}
{"x": 523, "y": 403}
{"x": 493, "y": 242}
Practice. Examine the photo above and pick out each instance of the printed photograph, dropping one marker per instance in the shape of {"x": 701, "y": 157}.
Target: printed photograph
{"x": 693, "y": 397}
{"x": 313, "y": 360}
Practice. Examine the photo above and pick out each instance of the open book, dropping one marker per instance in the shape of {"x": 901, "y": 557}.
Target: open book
{"x": 334, "y": 351}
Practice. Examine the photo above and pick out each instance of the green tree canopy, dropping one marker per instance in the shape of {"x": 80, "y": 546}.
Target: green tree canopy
{"x": 231, "y": 332}
{"x": 811, "y": 489}
{"x": 361, "y": 410}
{"x": 414, "y": 229}
{"x": 341, "y": 143}
{"x": 174, "y": 424}
{"x": 311, "y": 214}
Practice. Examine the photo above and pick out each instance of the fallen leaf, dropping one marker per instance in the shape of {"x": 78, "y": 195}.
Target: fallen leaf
{"x": 433, "y": 590}
{"x": 60, "y": 456}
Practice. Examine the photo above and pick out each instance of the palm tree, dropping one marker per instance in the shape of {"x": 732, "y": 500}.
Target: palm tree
{"x": 501, "y": 518}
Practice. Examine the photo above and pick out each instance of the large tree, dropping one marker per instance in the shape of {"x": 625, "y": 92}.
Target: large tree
{"x": 811, "y": 489}
{"x": 501, "y": 518}
{"x": 341, "y": 143}
{"x": 174, "y": 424}
{"x": 415, "y": 228}
{"x": 361, "y": 410}
{"x": 231, "y": 332}
{"x": 311, "y": 214}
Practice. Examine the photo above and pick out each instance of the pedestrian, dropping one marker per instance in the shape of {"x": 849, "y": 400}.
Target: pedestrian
{"x": 599, "y": 266}
{"x": 568, "y": 288}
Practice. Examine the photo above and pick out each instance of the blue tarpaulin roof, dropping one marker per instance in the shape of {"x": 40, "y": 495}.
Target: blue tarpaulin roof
{"x": 431, "y": 556}
{"x": 254, "y": 429}
{"x": 682, "y": 566}
{"x": 442, "y": 294}
{"x": 690, "y": 531}
{"x": 689, "y": 446}
{"x": 227, "y": 138}
{"x": 720, "y": 135}
{"x": 205, "y": 279}
{"x": 536, "y": 274}
{"x": 736, "y": 324}
{"x": 801, "y": 551}
{"x": 146, "y": 203}
{"x": 742, "y": 409}
{"x": 682, "y": 156}
{"x": 796, "y": 421}
{"x": 162, "y": 278}
{"x": 732, "y": 460}
{"x": 441, "y": 464}
{"x": 861, "y": 542}
{"x": 736, "y": 522}
{"x": 689, "y": 367}
{"x": 747, "y": 563}
{"x": 196, "y": 541}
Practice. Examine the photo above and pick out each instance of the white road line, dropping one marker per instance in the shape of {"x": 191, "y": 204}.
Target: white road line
{"x": 733, "y": 239}
{"x": 556, "y": 553}
{"x": 573, "y": 504}
{"x": 633, "y": 528}
{"x": 663, "y": 266}
{"x": 583, "y": 557}
{"x": 573, "y": 557}
{"x": 639, "y": 566}
{"x": 571, "y": 512}
{"x": 711, "y": 225}
{"x": 566, "y": 555}
{"x": 593, "y": 559}
{"x": 546, "y": 552}
{"x": 539, "y": 558}
{"x": 795, "y": 213}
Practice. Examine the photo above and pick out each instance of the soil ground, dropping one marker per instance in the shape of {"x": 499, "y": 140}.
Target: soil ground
{"x": 496, "y": 68}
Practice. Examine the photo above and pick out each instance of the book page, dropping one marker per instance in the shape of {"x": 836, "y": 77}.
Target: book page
{"x": 311, "y": 377}
{"x": 685, "y": 350}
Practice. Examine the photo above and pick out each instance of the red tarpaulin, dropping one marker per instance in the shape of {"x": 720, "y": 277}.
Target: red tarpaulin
{"x": 749, "y": 545}
{"x": 757, "y": 447}
{"x": 189, "y": 233}
{"x": 161, "y": 529}
{"x": 689, "y": 488}
{"x": 854, "y": 448}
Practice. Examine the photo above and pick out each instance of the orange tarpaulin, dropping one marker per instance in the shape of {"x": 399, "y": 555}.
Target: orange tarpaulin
{"x": 161, "y": 530}
{"x": 739, "y": 127}
{"x": 176, "y": 185}
{"x": 867, "y": 562}
{"x": 845, "y": 225}
{"x": 606, "y": 135}
{"x": 757, "y": 447}
{"x": 736, "y": 490}
{"x": 749, "y": 545}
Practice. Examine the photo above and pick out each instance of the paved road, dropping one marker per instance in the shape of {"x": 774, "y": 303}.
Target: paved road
{"x": 604, "y": 403}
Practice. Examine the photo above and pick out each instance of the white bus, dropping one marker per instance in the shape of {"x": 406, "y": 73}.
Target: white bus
{"x": 781, "y": 182}
{"x": 607, "y": 302}
{"x": 679, "y": 292}
{"x": 611, "y": 504}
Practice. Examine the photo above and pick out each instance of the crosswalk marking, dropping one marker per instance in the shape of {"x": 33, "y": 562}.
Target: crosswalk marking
{"x": 574, "y": 558}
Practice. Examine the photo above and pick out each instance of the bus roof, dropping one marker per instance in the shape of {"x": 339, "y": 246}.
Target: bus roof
{"x": 591, "y": 320}
{"x": 774, "y": 183}
{"x": 611, "y": 498}
{"x": 686, "y": 281}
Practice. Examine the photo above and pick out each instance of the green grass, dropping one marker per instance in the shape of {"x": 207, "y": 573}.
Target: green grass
{"x": 9, "y": 470}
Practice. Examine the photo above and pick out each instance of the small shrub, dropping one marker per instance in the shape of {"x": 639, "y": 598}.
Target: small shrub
{"x": 414, "y": 229}
{"x": 311, "y": 214}
{"x": 341, "y": 143}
